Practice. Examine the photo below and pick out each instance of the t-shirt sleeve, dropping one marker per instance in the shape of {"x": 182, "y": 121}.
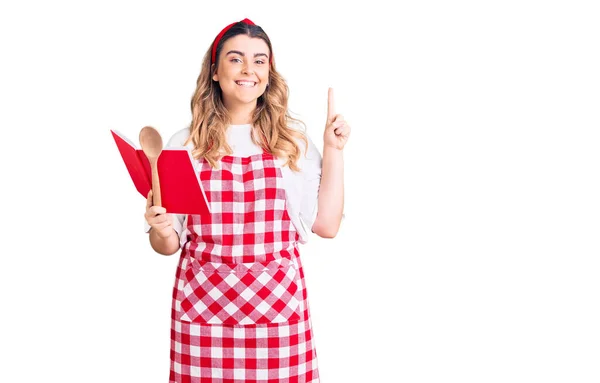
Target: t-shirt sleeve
{"x": 310, "y": 177}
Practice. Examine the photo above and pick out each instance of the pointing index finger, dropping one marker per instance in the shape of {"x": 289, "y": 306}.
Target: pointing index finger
{"x": 330, "y": 105}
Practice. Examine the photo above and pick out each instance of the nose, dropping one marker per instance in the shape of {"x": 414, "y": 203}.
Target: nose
{"x": 248, "y": 69}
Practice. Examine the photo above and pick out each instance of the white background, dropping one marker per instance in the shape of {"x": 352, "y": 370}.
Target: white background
{"x": 470, "y": 249}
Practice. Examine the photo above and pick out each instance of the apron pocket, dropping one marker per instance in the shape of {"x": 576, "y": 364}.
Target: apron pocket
{"x": 241, "y": 294}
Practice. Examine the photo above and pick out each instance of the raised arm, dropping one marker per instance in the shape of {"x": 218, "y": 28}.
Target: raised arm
{"x": 331, "y": 189}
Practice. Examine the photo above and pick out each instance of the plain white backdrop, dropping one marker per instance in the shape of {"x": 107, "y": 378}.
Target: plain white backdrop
{"x": 470, "y": 249}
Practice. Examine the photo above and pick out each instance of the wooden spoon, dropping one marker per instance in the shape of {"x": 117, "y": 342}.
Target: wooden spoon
{"x": 152, "y": 145}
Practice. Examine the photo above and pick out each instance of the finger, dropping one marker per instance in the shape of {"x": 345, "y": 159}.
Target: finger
{"x": 337, "y": 119}
{"x": 153, "y": 212}
{"x": 157, "y": 210}
{"x": 162, "y": 230}
{"x": 347, "y": 130}
{"x": 340, "y": 131}
{"x": 161, "y": 218}
{"x": 330, "y": 105}
{"x": 161, "y": 226}
{"x": 343, "y": 130}
{"x": 164, "y": 233}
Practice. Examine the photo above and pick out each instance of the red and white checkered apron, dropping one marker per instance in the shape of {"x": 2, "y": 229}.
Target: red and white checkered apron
{"x": 240, "y": 310}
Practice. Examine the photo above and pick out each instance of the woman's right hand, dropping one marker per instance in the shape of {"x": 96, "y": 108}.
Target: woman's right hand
{"x": 158, "y": 219}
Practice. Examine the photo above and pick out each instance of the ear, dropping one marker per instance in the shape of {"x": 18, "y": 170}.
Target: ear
{"x": 215, "y": 76}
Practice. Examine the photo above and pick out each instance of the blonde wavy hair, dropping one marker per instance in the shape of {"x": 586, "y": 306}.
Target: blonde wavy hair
{"x": 271, "y": 119}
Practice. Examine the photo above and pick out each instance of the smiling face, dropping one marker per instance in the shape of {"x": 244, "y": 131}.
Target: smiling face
{"x": 243, "y": 70}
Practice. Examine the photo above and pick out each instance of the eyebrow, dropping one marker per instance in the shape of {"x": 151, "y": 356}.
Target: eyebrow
{"x": 243, "y": 54}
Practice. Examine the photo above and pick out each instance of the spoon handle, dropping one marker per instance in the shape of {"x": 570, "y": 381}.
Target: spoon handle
{"x": 156, "y": 201}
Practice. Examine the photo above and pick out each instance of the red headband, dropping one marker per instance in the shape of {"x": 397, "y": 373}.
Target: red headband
{"x": 220, "y": 35}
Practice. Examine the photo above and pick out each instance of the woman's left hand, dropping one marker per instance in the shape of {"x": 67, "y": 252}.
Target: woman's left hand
{"x": 337, "y": 130}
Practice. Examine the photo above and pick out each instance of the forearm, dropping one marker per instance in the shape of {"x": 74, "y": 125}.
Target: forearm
{"x": 164, "y": 246}
{"x": 331, "y": 193}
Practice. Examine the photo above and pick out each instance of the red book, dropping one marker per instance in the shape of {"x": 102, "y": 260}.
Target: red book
{"x": 180, "y": 188}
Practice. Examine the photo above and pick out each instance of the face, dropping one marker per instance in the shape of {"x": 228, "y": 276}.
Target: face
{"x": 243, "y": 70}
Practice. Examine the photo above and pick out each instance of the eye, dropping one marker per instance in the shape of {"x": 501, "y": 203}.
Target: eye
{"x": 235, "y": 59}
{"x": 259, "y": 62}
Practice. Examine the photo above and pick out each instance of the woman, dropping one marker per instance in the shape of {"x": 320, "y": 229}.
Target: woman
{"x": 240, "y": 309}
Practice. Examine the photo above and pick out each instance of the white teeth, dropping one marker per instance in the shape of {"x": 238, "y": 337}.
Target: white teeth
{"x": 248, "y": 84}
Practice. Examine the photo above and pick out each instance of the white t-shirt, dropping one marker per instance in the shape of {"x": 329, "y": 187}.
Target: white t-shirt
{"x": 302, "y": 188}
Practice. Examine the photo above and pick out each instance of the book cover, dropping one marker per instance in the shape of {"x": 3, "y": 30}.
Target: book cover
{"x": 181, "y": 190}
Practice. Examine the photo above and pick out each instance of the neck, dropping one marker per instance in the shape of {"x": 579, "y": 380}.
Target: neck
{"x": 241, "y": 114}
